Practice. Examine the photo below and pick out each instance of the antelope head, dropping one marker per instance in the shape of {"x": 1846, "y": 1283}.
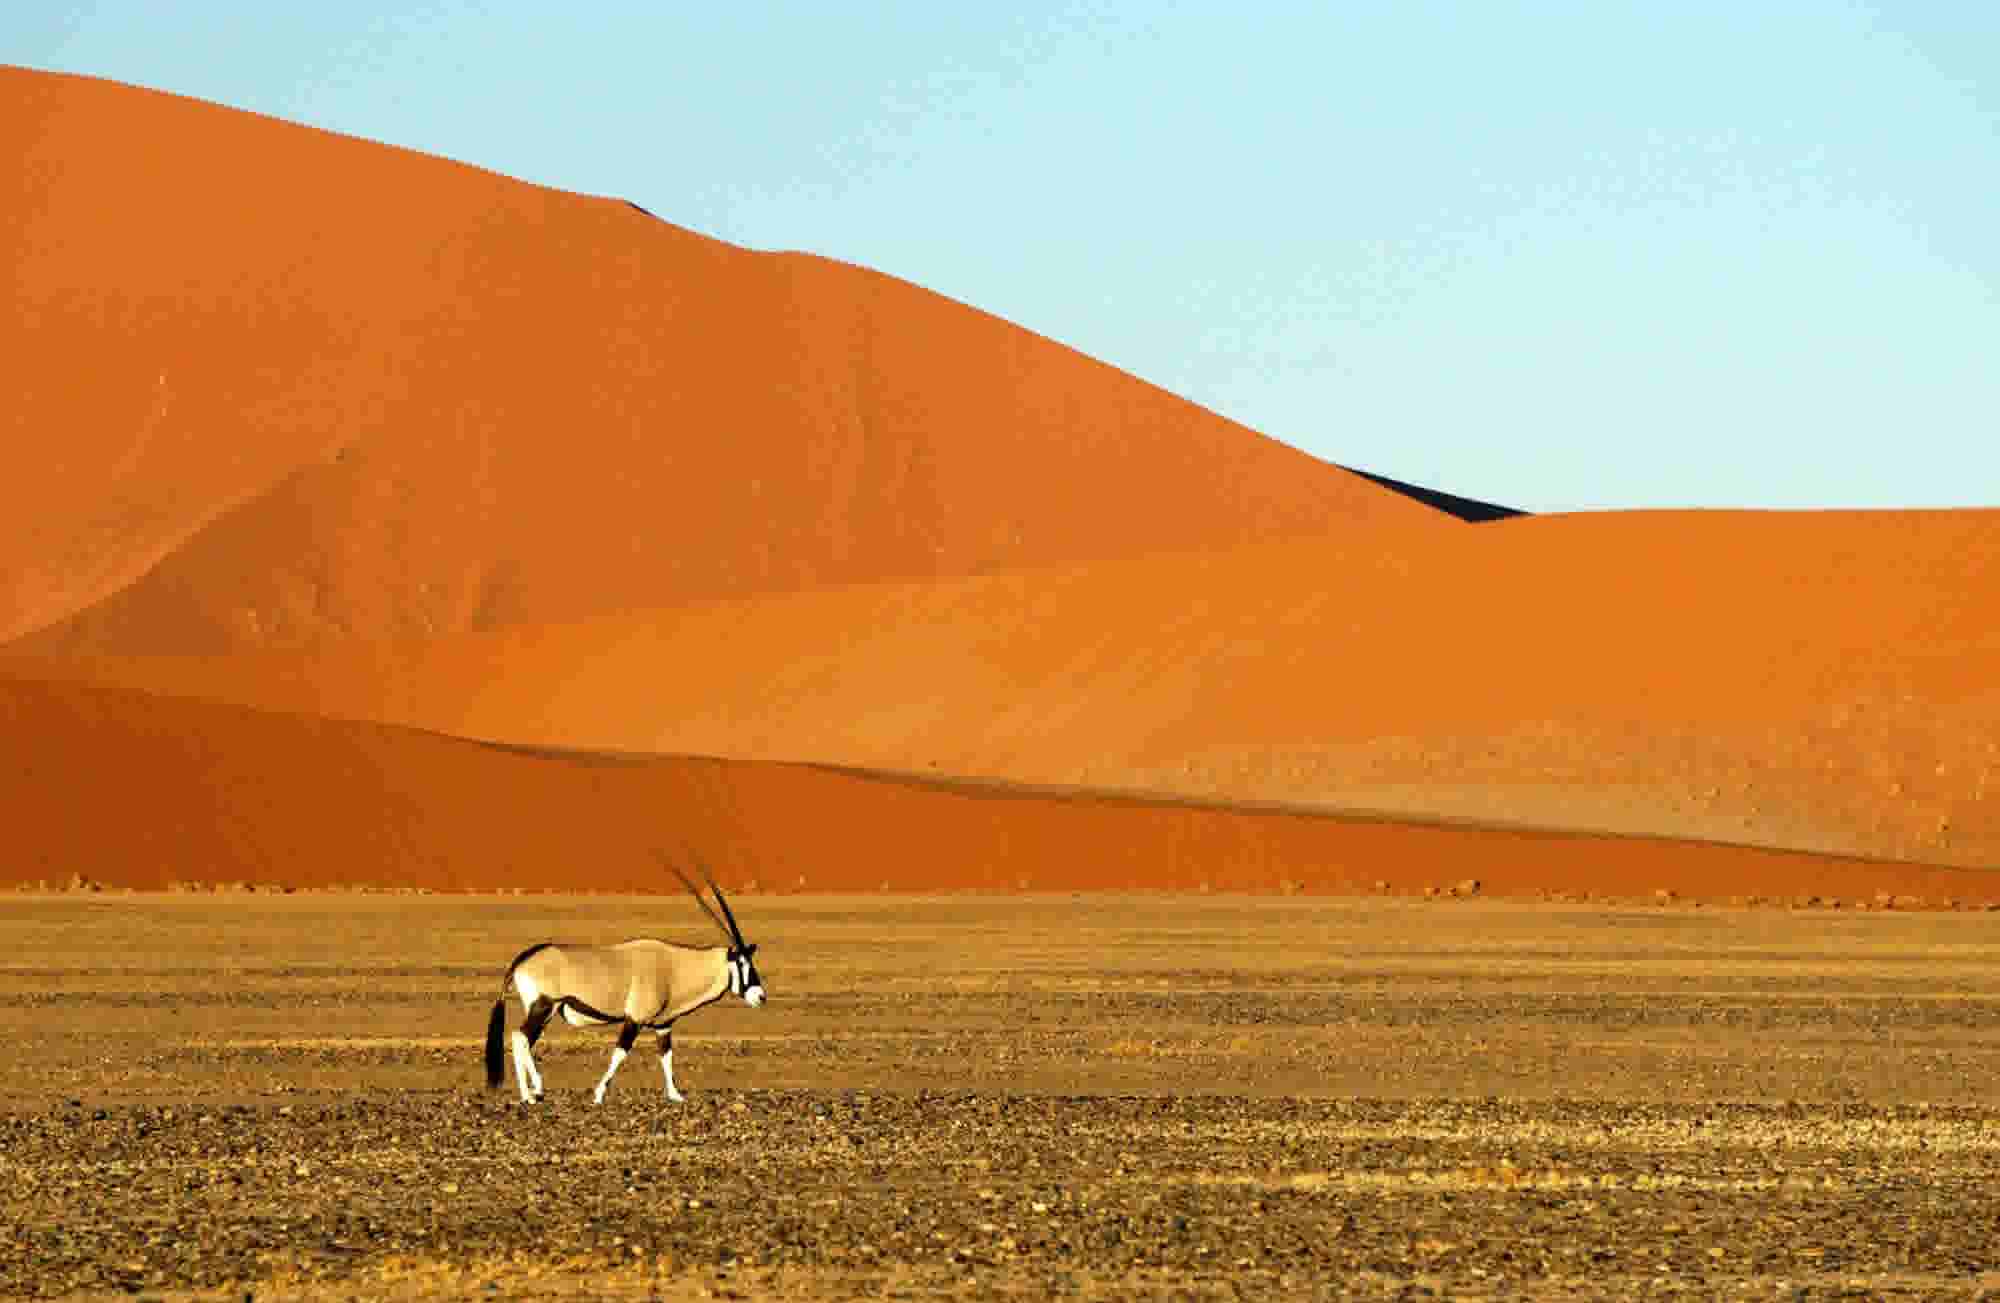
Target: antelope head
{"x": 742, "y": 956}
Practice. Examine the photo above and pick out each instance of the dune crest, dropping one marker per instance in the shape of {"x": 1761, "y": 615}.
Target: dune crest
{"x": 288, "y": 387}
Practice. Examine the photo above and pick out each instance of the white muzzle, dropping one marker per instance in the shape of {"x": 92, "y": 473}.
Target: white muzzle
{"x": 754, "y": 996}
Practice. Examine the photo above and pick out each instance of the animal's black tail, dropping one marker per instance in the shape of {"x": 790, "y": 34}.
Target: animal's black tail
{"x": 496, "y": 1055}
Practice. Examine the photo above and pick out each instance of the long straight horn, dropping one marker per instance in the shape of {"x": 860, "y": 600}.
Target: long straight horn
{"x": 695, "y": 891}
{"x": 726, "y": 913}
{"x": 735, "y": 932}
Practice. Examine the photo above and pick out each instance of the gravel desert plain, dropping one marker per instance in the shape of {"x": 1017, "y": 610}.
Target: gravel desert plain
{"x": 1033, "y": 1096}
{"x": 1182, "y": 868}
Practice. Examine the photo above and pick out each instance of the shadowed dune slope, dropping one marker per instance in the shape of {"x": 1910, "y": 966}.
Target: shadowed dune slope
{"x": 1822, "y": 681}
{"x": 130, "y": 790}
{"x": 277, "y": 386}
{"x": 1468, "y": 509}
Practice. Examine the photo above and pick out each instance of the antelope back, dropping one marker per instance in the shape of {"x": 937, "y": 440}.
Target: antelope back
{"x": 644, "y": 980}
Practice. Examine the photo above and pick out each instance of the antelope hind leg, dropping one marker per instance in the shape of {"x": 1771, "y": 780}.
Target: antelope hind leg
{"x": 626, "y": 1035}
{"x": 527, "y": 1077}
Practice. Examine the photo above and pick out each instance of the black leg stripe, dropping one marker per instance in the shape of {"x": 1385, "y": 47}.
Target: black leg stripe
{"x": 538, "y": 1017}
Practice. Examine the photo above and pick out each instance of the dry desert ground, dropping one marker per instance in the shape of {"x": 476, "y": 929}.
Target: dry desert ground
{"x": 1093, "y": 1097}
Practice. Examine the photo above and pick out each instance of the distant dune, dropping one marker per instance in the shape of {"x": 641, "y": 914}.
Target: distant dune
{"x": 374, "y": 518}
{"x": 1704, "y": 675}
{"x": 129, "y": 792}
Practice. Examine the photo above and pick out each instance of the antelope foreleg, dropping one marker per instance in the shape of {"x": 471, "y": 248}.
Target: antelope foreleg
{"x": 667, "y": 1065}
{"x": 626, "y": 1035}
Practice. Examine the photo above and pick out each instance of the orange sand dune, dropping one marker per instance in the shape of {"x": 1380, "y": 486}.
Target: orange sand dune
{"x": 1822, "y": 681}
{"x": 328, "y": 430}
{"x": 126, "y": 790}
{"x": 275, "y": 386}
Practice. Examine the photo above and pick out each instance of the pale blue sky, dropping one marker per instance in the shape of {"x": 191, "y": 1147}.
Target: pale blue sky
{"x": 1556, "y": 255}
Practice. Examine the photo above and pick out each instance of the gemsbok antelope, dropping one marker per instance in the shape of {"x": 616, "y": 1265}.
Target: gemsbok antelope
{"x": 638, "y": 983}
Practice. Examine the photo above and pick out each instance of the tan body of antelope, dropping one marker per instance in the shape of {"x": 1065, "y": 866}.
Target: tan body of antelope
{"x": 639, "y": 984}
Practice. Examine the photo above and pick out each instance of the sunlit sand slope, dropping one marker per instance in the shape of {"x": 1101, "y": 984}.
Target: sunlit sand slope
{"x": 1822, "y": 681}
{"x": 123, "y": 789}
{"x": 272, "y": 386}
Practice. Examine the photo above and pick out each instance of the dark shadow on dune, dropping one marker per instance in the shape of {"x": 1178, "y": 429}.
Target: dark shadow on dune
{"x": 1450, "y": 503}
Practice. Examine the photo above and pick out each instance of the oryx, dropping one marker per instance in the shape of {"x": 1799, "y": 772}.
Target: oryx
{"x": 637, "y": 983}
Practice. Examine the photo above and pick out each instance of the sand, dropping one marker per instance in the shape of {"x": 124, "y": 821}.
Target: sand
{"x": 290, "y": 386}
{"x": 1706, "y": 676}
{"x": 431, "y": 540}
{"x": 112, "y": 789}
